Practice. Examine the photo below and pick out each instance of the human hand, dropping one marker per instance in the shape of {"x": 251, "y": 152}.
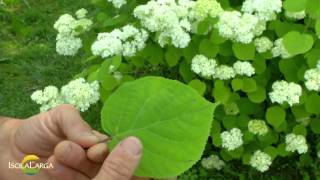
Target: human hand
{"x": 60, "y": 137}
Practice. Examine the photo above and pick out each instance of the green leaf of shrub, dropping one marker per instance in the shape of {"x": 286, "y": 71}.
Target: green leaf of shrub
{"x": 294, "y": 5}
{"x": 313, "y": 8}
{"x": 208, "y": 49}
{"x": 257, "y": 96}
{"x": 312, "y": 104}
{"x": 171, "y": 119}
{"x": 172, "y": 56}
{"x": 249, "y": 85}
{"x": 297, "y": 43}
{"x": 275, "y": 116}
{"x": 198, "y": 86}
{"x": 244, "y": 51}
{"x": 300, "y": 130}
{"x": 315, "y": 125}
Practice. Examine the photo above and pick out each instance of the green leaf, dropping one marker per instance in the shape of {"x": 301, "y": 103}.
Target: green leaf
{"x": 244, "y": 51}
{"x": 185, "y": 71}
{"x": 297, "y": 43}
{"x": 275, "y": 116}
{"x": 207, "y": 48}
{"x": 271, "y": 151}
{"x": 300, "y": 130}
{"x": 313, "y": 8}
{"x": 153, "y": 53}
{"x": 237, "y": 84}
{"x": 229, "y": 122}
{"x": 215, "y": 37}
{"x": 312, "y": 104}
{"x": 171, "y": 119}
{"x": 198, "y": 86}
{"x": 294, "y": 5}
{"x": 315, "y": 125}
{"x": 215, "y": 133}
{"x": 258, "y": 96}
{"x": 317, "y": 27}
{"x": 220, "y": 92}
{"x": 313, "y": 57}
{"x": 107, "y": 81}
{"x": 249, "y": 85}
{"x": 289, "y": 68}
{"x": 172, "y": 56}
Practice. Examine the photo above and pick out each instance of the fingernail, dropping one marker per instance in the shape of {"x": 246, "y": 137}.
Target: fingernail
{"x": 132, "y": 145}
{"x": 91, "y": 136}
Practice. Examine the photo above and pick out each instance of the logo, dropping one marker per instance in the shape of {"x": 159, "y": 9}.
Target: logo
{"x": 30, "y": 165}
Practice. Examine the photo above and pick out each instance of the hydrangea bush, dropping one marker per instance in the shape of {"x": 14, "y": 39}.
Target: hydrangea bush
{"x": 260, "y": 59}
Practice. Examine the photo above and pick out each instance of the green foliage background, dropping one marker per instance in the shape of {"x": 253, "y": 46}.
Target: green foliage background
{"x": 28, "y": 62}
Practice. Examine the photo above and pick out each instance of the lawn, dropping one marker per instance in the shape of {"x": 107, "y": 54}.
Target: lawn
{"x": 28, "y": 60}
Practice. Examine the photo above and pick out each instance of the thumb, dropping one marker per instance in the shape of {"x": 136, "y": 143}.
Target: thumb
{"x": 122, "y": 161}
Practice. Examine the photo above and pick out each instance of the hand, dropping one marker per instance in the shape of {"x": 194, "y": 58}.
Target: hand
{"x": 60, "y": 137}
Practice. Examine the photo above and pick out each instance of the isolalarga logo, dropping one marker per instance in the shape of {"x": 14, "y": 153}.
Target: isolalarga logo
{"x": 30, "y": 165}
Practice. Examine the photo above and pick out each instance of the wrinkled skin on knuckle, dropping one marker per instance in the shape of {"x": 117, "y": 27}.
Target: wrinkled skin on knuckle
{"x": 117, "y": 169}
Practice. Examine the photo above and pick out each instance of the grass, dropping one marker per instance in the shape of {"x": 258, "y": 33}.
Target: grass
{"x": 28, "y": 60}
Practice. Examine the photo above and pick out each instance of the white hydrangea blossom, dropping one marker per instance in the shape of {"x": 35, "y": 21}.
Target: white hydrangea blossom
{"x": 266, "y": 10}
{"x": 81, "y": 13}
{"x": 203, "y": 66}
{"x": 243, "y": 68}
{"x": 312, "y": 77}
{"x": 261, "y": 161}
{"x": 68, "y": 29}
{"x": 126, "y": 41}
{"x": 296, "y": 143}
{"x": 118, "y": 3}
{"x": 280, "y": 50}
{"x": 224, "y": 72}
{"x": 258, "y": 127}
{"x": 78, "y": 93}
{"x": 283, "y": 91}
{"x": 212, "y": 162}
{"x": 238, "y": 27}
{"x": 68, "y": 45}
{"x": 295, "y": 15}
{"x": 170, "y": 19}
{"x": 263, "y": 44}
{"x": 207, "y": 8}
{"x": 232, "y": 139}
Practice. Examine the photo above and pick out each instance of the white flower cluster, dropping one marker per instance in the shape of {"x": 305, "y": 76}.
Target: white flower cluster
{"x": 203, "y": 66}
{"x": 283, "y": 91}
{"x": 81, "y": 13}
{"x": 118, "y": 3}
{"x": 48, "y": 98}
{"x": 207, "y": 8}
{"x": 312, "y": 77}
{"x": 243, "y": 68}
{"x": 126, "y": 41}
{"x": 224, "y": 72}
{"x": 208, "y": 68}
{"x": 78, "y": 93}
{"x": 265, "y": 10}
{"x": 295, "y": 15}
{"x": 263, "y": 44}
{"x": 212, "y": 162}
{"x": 280, "y": 50}
{"x": 261, "y": 161}
{"x": 170, "y": 19}
{"x": 258, "y": 127}
{"x": 68, "y": 29}
{"x": 296, "y": 143}
{"x": 232, "y": 139}
{"x": 239, "y": 27}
